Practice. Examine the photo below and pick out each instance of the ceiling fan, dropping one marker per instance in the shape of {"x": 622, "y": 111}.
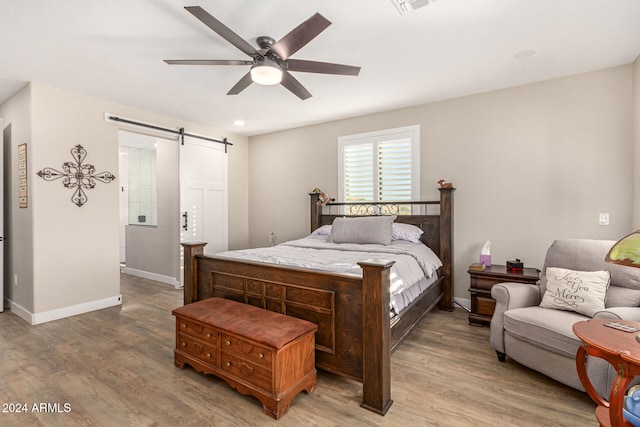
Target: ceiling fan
{"x": 271, "y": 64}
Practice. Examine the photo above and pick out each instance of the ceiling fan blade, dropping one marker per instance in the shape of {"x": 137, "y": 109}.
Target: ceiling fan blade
{"x": 300, "y": 36}
{"x": 294, "y": 86}
{"x": 321, "y": 67}
{"x": 242, "y": 84}
{"x": 207, "y": 62}
{"x": 224, "y": 31}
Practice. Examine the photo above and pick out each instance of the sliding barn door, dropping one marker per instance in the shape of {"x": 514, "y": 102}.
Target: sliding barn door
{"x": 203, "y": 196}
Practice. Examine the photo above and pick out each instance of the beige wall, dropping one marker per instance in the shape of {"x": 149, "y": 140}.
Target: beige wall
{"x": 238, "y": 192}
{"x": 530, "y": 163}
{"x": 74, "y": 258}
{"x": 73, "y": 247}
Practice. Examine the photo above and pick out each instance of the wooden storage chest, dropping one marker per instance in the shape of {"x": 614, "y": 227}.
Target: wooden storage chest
{"x": 268, "y": 355}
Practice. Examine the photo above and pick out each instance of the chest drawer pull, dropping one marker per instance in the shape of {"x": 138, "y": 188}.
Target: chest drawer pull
{"x": 184, "y": 325}
{"x": 228, "y": 342}
{"x": 260, "y": 355}
{"x": 208, "y": 335}
{"x": 209, "y": 355}
{"x": 184, "y": 344}
{"x": 228, "y": 364}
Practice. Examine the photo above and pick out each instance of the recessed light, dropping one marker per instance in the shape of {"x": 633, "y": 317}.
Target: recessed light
{"x": 239, "y": 123}
{"x": 524, "y": 54}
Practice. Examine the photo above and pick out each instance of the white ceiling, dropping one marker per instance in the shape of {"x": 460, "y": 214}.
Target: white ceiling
{"x": 113, "y": 50}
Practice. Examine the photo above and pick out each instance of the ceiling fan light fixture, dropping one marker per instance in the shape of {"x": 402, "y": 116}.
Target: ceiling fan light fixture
{"x": 266, "y": 73}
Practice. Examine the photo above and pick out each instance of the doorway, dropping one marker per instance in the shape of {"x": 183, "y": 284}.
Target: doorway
{"x": 148, "y": 205}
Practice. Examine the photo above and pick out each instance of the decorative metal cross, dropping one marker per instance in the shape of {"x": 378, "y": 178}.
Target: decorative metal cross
{"x": 77, "y": 175}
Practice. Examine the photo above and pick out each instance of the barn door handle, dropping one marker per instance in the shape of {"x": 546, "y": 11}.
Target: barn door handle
{"x": 185, "y": 226}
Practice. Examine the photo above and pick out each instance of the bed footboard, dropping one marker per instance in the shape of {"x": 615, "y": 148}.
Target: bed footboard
{"x": 352, "y": 313}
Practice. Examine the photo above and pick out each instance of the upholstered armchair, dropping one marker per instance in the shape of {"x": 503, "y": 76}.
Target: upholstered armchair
{"x": 541, "y": 337}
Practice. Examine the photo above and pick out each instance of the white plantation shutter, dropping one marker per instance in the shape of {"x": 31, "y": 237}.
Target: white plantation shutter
{"x": 394, "y": 170}
{"x": 359, "y": 179}
{"x": 380, "y": 166}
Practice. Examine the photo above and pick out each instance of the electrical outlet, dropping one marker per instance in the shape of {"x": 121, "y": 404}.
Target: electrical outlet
{"x": 603, "y": 219}
{"x": 15, "y": 280}
{"x": 272, "y": 239}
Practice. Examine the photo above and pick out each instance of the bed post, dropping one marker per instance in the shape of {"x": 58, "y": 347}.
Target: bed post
{"x": 446, "y": 246}
{"x": 316, "y": 211}
{"x": 191, "y": 250}
{"x": 376, "y": 335}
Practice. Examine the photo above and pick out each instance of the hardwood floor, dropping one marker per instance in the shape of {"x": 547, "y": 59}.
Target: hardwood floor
{"x": 114, "y": 367}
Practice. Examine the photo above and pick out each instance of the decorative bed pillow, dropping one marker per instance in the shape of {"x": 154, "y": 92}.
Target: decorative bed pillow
{"x": 408, "y": 232}
{"x": 325, "y": 230}
{"x": 580, "y": 291}
{"x": 362, "y": 230}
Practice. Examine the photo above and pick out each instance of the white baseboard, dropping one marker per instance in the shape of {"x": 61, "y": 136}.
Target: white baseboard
{"x": 61, "y": 313}
{"x": 464, "y": 302}
{"x": 18, "y": 310}
{"x": 152, "y": 276}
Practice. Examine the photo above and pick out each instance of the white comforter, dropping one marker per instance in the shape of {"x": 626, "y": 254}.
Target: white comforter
{"x": 413, "y": 261}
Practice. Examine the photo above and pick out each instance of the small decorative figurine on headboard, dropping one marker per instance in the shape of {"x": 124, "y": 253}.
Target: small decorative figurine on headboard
{"x": 324, "y": 198}
{"x": 444, "y": 184}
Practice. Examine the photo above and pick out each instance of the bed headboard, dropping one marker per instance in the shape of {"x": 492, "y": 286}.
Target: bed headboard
{"x": 435, "y": 218}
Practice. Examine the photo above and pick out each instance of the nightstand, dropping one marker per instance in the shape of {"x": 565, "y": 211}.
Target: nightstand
{"x": 482, "y": 305}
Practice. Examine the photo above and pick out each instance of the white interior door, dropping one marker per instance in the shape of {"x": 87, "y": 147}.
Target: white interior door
{"x": 203, "y": 196}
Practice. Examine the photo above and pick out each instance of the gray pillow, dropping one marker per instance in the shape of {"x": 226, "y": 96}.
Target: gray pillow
{"x": 362, "y": 230}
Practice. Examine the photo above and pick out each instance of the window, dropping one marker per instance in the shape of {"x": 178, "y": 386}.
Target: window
{"x": 380, "y": 166}
{"x": 138, "y": 169}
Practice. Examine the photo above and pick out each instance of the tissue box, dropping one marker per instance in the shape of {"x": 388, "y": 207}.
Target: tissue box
{"x": 515, "y": 265}
{"x": 486, "y": 259}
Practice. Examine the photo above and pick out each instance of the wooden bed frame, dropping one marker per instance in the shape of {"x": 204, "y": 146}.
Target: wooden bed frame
{"x": 355, "y": 334}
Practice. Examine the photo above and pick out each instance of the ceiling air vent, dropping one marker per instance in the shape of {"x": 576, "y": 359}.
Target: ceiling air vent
{"x": 406, "y": 6}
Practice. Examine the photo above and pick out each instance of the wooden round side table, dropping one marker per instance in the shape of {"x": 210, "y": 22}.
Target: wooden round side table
{"x": 622, "y": 351}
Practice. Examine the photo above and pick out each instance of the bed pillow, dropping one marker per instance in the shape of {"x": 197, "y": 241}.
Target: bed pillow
{"x": 581, "y": 291}
{"x": 325, "y": 230}
{"x": 408, "y": 232}
{"x": 362, "y": 230}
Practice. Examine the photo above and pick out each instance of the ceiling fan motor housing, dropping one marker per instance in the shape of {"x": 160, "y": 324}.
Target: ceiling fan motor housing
{"x": 265, "y": 42}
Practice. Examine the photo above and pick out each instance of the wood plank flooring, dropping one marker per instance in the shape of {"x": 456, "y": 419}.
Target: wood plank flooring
{"x": 114, "y": 367}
